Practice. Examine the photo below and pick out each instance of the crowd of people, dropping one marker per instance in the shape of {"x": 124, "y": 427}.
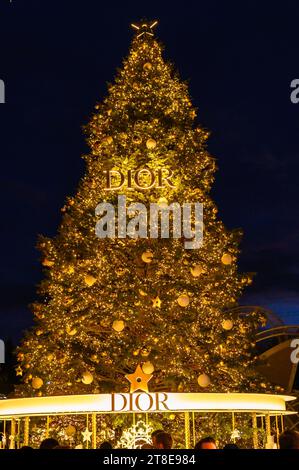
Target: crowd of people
{"x": 163, "y": 440}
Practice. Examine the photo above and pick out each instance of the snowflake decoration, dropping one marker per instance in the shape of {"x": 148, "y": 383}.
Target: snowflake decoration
{"x": 136, "y": 436}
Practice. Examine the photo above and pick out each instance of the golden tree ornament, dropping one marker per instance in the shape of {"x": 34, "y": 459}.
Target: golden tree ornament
{"x": 183, "y": 300}
{"x": 227, "y": 324}
{"x": 118, "y": 325}
{"x": 157, "y": 302}
{"x": 86, "y": 434}
{"x": 162, "y": 202}
{"x": 227, "y": 259}
{"x": 87, "y": 378}
{"x": 19, "y": 371}
{"x": 197, "y": 270}
{"x": 37, "y": 383}
{"x": 203, "y": 380}
{"x": 151, "y": 144}
{"x": 70, "y": 430}
{"x": 148, "y": 367}
{"x": 147, "y": 257}
{"x": 138, "y": 380}
{"x": 90, "y": 280}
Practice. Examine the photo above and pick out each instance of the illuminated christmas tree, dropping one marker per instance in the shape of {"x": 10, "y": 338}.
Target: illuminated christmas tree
{"x": 110, "y": 305}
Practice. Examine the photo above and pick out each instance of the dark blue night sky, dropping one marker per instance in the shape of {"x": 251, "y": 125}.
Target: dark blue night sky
{"x": 239, "y": 60}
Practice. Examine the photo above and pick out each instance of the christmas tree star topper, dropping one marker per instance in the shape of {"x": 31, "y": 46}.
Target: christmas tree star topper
{"x": 138, "y": 380}
{"x": 144, "y": 28}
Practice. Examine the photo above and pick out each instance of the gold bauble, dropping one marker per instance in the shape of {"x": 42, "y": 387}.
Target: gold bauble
{"x": 37, "y": 383}
{"x": 203, "y": 380}
{"x": 70, "y": 430}
{"x": 20, "y": 356}
{"x": 172, "y": 416}
{"x": 151, "y": 144}
{"x": 197, "y": 270}
{"x": 118, "y": 325}
{"x": 183, "y": 300}
{"x": 87, "y": 378}
{"x": 148, "y": 368}
{"x": 147, "y": 257}
{"x": 162, "y": 202}
{"x": 39, "y": 332}
{"x": 136, "y": 352}
{"x": 147, "y": 66}
{"x": 39, "y": 393}
{"x": 227, "y": 325}
{"x": 50, "y": 357}
{"x": 226, "y": 259}
{"x": 89, "y": 280}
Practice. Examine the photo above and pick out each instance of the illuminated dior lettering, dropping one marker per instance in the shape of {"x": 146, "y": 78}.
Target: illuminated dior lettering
{"x": 144, "y": 178}
{"x": 139, "y": 402}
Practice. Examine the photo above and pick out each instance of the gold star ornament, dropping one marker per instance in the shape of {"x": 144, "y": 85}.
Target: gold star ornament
{"x": 86, "y": 435}
{"x": 19, "y": 370}
{"x": 138, "y": 380}
{"x": 156, "y": 302}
